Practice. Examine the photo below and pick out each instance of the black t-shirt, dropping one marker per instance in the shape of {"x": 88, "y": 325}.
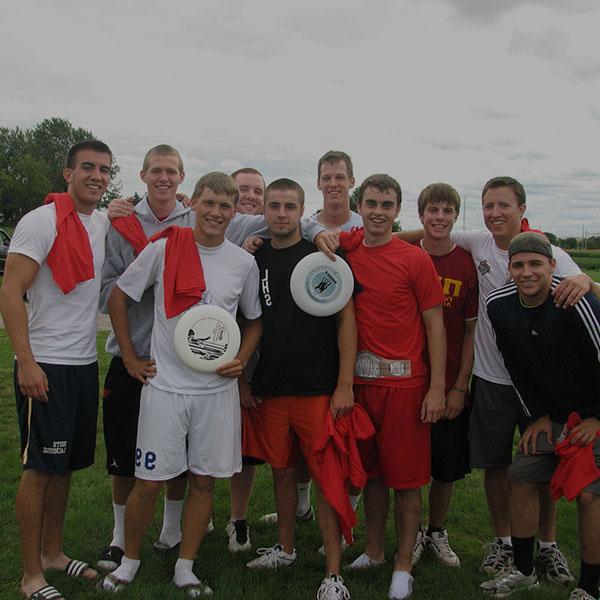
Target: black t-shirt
{"x": 299, "y": 352}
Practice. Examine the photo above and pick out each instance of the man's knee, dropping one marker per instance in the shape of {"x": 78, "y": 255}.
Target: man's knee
{"x": 203, "y": 484}
{"x": 147, "y": 490}
{"x": 587, "y": 500}
{"x": 283, "y": 475}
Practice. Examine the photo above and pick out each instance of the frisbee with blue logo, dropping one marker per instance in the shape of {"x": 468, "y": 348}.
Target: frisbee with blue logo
{"x": 321, "y": 287}
{"x": 206, "y": 337}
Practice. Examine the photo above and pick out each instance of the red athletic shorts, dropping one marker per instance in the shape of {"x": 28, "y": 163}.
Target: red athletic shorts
{"x": 269, "y": 428}
{"x": 400, "y": 452}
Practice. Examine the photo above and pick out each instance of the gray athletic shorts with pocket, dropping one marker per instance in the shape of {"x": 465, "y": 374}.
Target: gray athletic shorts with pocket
{"x": 540, "y": 467}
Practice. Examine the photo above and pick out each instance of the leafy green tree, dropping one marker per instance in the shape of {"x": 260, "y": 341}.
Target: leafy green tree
{"x": 31, "y": 165}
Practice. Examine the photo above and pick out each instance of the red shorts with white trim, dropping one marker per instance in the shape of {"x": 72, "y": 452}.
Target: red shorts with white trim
{"x": 400, "y": 452}
{"x": 270, "y": 428}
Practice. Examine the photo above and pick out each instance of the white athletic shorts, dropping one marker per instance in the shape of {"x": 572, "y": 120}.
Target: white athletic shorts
{"x": 180, "y": 432}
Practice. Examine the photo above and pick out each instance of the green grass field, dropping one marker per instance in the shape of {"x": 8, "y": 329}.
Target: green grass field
{"x": 89, "y": 525}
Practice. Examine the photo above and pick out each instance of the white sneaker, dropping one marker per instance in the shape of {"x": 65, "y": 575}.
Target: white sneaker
{"x": 343, "y": 543}
{"x": 333, "y": 588}
{"x": 364, "y": 561}
{"x": 270, "y": 518}
{"x": 511, "y": 580}
{"x": 438, "y": 543}
{"x": 401, "y": 586}
{"x": 238, "y": 533}
{"x": 271, "y": 558}
{"x": 579, "y": 594}
{"x": 420, "y": 545}
{"x": 554, "y": 563}
{"x": 210, "y": 527}
{"x": 498, "y": 558}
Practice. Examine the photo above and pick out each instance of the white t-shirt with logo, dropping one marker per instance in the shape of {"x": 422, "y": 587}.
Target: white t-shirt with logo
{"x": 491, "y": 264}
{"x": 231, "y": 277}
{"x": 62, "y": 327}
{"x": 355, "y": 220}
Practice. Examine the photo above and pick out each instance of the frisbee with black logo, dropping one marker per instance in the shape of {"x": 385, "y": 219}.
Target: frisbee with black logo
{"x": 321, "y": 287}
{"x": 206, "y": 337}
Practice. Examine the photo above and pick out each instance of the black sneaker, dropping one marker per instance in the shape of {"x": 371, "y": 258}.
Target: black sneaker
{"x": 239, "y": 535}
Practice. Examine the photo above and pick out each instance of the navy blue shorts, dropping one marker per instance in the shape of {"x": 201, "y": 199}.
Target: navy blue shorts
{"x": 59, "y": 436}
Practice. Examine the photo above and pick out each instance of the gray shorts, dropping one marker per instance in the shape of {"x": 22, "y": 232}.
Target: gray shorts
{"x": 496, "y": 412}
{"x": 540, "y": 467}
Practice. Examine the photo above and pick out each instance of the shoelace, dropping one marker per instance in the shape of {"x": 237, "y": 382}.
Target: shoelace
{"x": 270, "y": 555}
{"x": 557, "y": 558}
{"x": 330, "y": 585}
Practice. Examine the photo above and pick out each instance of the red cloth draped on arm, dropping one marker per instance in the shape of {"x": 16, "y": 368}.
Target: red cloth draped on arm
{"x": 131, "y": 229}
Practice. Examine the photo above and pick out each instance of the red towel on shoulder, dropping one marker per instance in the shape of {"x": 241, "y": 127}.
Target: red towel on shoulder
{"x": 525, "y": 227}
{"x": 131, "y": 229}
{"x": 183, "y": 278}
{"x": 70, "y": 259}
{"x": 337, "y": 464}
{"x": 577, "y": 467}
{"x": 350, "y": 240}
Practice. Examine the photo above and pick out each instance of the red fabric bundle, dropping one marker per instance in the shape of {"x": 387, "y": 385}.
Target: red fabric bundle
{"x": 70, "y": 259}
{"x": 350, "y": 240}
{"x": 577, "y": 467}
{"x": 525, "y": 227}
{"x": 183, "y": 277}
{"x": 337, "y": 464}
{"x": 131, "y": 229}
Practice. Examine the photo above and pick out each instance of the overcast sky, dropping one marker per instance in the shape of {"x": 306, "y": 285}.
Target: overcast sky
{"x": 425, "y": 90}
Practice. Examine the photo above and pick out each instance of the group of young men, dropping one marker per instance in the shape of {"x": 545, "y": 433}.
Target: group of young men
{"x": 399, "y": 356}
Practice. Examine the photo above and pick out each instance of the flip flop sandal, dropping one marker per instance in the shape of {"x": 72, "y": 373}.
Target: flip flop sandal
{"x": 110, "y": 558}
{"x": 112, "y": 584}
{"x": 48, "y": 592}
{"x": 196, "y": 590}
{"x": 77, "y": 568}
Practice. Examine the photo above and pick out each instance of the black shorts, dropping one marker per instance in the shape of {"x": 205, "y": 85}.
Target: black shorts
{"x": 450, "y": 448}
{"x": 59, "y": 436}
{"x": 120, "y": 410}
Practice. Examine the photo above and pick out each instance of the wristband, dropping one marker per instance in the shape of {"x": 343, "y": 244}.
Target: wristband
{"x": 461, "y": 390}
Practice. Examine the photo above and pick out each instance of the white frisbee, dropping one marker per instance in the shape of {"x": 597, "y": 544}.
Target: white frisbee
{"x": 321, "y": 287}
{"x": 206, "y": 337}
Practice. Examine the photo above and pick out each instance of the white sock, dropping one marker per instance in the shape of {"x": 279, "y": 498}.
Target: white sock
{"x": 127, "y": 569}
{"x": 354, "y": 500}
{"x": 171, "y": 529}
{"x": 118, "y": 538}
{"x": 303, "y": 498}
{"x": 183, "y": 573}
{"x": 506, "y": 540}
{"x": 544, "y": 545}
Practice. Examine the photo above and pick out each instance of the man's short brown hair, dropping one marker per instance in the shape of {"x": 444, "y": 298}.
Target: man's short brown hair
{"x": 94, "y": 145}
{"x": 509, "y": 182}
{"x": 219, "y": 183}
{"x": 438, "y": 193}
{"x": 383, "y": 183}
{"x": 249, "y": 171}
{"x": 285, "y": 185}
{"x": 334, "y": 156}
{"x": 162, "y": 150}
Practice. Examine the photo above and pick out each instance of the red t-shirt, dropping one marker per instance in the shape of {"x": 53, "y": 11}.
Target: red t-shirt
{"x": 398, "y": 283}
{"x": 459, "y": 284}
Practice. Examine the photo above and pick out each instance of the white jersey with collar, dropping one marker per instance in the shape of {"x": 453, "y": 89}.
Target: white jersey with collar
{"x": 62, "y": 327}
{"x": 491, "y": 264}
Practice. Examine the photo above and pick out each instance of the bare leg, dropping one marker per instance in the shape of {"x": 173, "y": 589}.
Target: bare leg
{"x": 330, "y": 532}
{"x": 497, "y": 496}
{"x": 121, "y": 488}
{"x": 588, "y": 506}
{"x": 408, "y": 518}
{"x": 524, "y": 509}
{"x": 377, "y": 501}
{"x": 286, "y": 499}
{"x": 547, "y": 522}
{"x": 55, "y": 507}
{"x": 240, "y": 486}
{"x": 138, "y": 514}
{"x": 440, "y": 495}
{"x": 196, "y": 515}
{"x": 31, "y": 497}
{"x": 176, "y": 488}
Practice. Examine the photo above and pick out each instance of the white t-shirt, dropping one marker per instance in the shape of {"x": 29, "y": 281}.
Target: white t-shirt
{"x": 492, "y": 271}
{"x": 231, "y": 277}
{"x": 355, "y": 220}
{"x": 62, "y": 327}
